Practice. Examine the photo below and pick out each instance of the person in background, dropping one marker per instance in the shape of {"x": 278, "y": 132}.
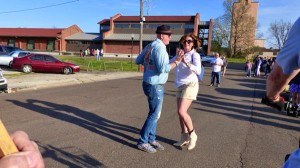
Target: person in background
{"x": 258, "y": 65}
{"x": 101, "y": 52}
{"x": 86, "y": 52}
{"x": 216, "y": 70}
{"x": 268, "y": 66}
{"x": 248, "y": 68}
{"x": 187, "y": 84}
{"x": 295, "y": 90}
{"x": 92, "y": 52}
{"x": 225, "y": 63}
{"x": 272, "y": 63}
{"x": 97, "y": 54}
{"x": 28, "y": 156}
{"x": 155, "y": 59}
{"x": 286, "y": 67}
{"x": 80, "y": 53}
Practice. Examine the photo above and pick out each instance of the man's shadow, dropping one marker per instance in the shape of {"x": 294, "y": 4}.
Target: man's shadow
{"x": 87, "y": 120}
{"x": 84, "y": 119}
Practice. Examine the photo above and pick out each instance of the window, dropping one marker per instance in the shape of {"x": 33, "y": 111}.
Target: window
{"x": 11, "y": 43}
{"x": 49, "y": 58}
{"x": 122, "y": 26}
{"x": 30, "y": 44}
{"x": 153, "y": 26}
{"x": 22, "y": 54}
{"x": 50, "y": 45}
{"x": 189, "y": 26}
{"x": 86, "y": 42}
{"x": 9, "y": 48}
{"x": 135, "y": 26}
{"x": 176, "y": 26}
{"x": 37, "y": 58}
{"x": 104, "y": 27}
{"x": 74, "y": 42}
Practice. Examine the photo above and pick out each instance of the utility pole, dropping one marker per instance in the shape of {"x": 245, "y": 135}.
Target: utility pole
{"x": 141, "y": 30}
{"x": 142, "y": 24}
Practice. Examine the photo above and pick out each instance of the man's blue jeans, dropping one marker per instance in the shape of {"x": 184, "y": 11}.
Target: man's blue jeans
{"x": 215, "y": 75}
{"x": 155, "y": 95}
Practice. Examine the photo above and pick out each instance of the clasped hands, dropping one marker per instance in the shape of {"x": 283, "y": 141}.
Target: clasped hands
{"x": 180, "y": 57}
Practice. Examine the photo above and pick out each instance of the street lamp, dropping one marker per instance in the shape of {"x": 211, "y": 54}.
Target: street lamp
{"x": 132, "y": 37}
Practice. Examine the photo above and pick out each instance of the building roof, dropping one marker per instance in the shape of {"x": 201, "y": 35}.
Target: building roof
{"x": 146, "y": 37}
{"x": 85, "y": 37}
{"x": 151, "y": 19}
{"x": 30, "y": 32}
{"x": 156, "y": 19}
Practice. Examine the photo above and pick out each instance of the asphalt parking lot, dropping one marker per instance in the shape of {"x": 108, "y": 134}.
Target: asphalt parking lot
{"x": 96, "y": 124}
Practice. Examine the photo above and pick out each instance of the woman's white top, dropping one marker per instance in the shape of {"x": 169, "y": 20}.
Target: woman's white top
{"x": 185, "y": 74}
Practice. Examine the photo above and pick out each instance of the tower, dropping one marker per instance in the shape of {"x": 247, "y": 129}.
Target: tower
{"x": 243, "y": 26}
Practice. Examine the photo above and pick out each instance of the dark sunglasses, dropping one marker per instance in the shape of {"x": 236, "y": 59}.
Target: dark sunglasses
{"x": 167, "y": 34}
{"x": 188, "y": 41}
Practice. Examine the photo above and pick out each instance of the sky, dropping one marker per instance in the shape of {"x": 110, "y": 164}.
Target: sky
{"x": 87, "y": 13}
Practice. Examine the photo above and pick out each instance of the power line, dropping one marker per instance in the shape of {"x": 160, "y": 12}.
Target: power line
{"x": 49, "y": 6}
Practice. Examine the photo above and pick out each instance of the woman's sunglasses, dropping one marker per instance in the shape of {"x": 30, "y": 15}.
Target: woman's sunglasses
{"x": 187, "y": 41}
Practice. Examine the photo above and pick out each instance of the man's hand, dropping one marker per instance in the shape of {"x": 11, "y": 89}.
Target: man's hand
{"x": 28, "y": 157}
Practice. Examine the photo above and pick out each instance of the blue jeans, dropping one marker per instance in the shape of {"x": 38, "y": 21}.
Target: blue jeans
{"x": 155, "y": 95}
{"x": 248, "y": 71}
{"x": 215, "y": 75}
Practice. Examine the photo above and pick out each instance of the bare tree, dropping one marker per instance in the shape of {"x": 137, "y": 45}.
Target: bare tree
{"x": 279, "y": 31}
{"x": 259, "y": 34}
{"x": 148, "y": 5}
{"x": 222, "y": 28}
{"x": 221, "y": 31}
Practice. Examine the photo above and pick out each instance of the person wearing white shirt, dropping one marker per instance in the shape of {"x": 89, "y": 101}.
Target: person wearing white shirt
{"x": 186, "y": 83}
{"x": 216, "y": 70}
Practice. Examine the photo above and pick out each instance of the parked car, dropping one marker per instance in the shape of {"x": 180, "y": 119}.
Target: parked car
{"x": 7, "y": 59}
{"x": 3, "y": 82}
{"x": 43, "y": 63}
{"x": 207, "y": 58}
{"x": 7, "y": 49}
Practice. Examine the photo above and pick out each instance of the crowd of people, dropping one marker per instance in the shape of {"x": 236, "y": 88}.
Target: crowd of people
{"x": 259, "y": 64}
{"x": 187, "y": 65}
{"x": 91, "y": 52}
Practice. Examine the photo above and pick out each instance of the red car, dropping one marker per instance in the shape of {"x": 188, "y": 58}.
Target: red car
{"x": 43, "y": 63}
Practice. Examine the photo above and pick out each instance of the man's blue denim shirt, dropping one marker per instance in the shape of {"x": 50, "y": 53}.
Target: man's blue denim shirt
{"x": 155, "y": 59}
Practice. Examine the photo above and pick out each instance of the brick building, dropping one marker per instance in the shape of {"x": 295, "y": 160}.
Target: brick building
{"x": 120, "y": 34}
{"x": 38, "y": 39}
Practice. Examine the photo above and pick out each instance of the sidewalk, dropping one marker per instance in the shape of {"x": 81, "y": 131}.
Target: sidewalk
{"x": 35, "y": 81}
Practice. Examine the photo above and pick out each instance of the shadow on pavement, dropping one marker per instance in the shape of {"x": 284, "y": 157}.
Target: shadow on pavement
{"x": 87, "y": 120}
{"x": 70, "y": 156}
{"x": 234, "y": 109}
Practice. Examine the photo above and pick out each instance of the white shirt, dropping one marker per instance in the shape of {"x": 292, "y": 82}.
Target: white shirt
{"x": 216, "y": 68}
{"x": 185, "y": 74}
